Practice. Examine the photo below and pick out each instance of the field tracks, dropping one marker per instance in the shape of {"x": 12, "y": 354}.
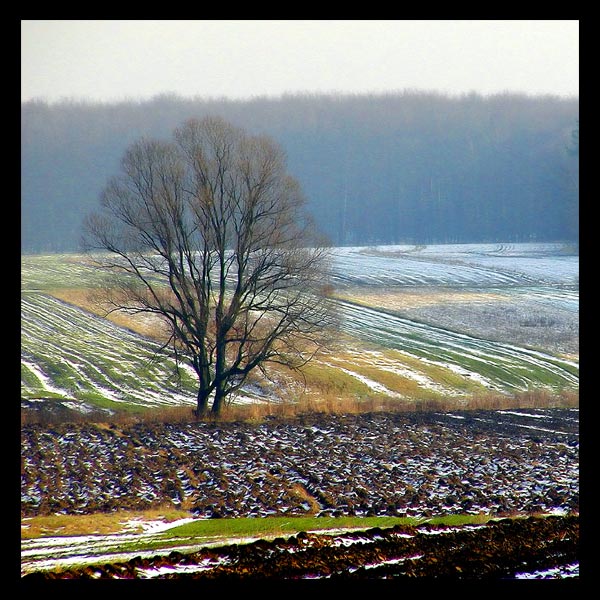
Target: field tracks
{"x": 433, "y": 322}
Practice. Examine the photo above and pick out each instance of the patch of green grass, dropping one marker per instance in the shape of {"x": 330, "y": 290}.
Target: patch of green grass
{"x": 28, "y": 377}
{"x": 97, "y": 400}
{"x": 214, "y": 532}
{"x": 507, "y": 375}
{"x": 438, "y": 374}
{"x": 281, "y": 526}
{"x": 333, "y": 380}
{"x": 494, "y": 372}
{"x": 207, "y": 530}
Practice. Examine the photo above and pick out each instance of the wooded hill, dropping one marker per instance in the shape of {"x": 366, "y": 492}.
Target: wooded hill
{"x": 410, "y": 167}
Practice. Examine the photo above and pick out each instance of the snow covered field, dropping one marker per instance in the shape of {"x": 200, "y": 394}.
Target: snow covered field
{"x": 514, "y": 549}
{"x": 70, "y": 354}
{"x": 485, "y": 265}
{"x": 438, "y": 320}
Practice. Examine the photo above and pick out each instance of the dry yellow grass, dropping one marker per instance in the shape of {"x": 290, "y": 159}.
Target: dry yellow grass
{"x": 300, "y": 492}
{"x": 145, "y": 325}
{"x": 331, "y": 404}
{"x": 97, "y": 523}
{"x": 256, "y": 413}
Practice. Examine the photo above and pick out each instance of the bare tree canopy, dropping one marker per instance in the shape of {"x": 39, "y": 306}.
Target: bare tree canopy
{"x": 208, "y": 231}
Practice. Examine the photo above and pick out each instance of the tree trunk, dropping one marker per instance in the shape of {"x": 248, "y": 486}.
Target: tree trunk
{"x": 220, "y": 365}
{"x": 202, "y": 402}
{"x": 218, "y": 401}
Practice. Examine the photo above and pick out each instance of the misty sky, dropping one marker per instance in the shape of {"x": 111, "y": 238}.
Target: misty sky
{"x": 118, "y": 60}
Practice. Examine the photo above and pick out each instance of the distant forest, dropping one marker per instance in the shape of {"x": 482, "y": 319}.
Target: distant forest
{"x": 410, "y": 167}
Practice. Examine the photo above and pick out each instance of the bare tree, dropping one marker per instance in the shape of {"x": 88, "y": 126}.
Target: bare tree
{"x": 209, "y": 232}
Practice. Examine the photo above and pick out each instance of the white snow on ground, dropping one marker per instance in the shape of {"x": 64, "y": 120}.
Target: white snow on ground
{"x": 98, "y": 357}
{"x": 205, "y": 565}
{"x": 80, "y": 406}
{"x": 377, "y": 359}
{"x": 562, "y": 572}
{"x": 473, "y": 375}
{"x": 157, "y": 526}
{"x": 455, "y": 264}
{"x": 442, "y": 530}
{"x": 391, "y": 561}
{"x": 454, "y": 350}
{"x": 53, "y": 552}
{"x": 88, "y": 557}
{"x": 370, "y": 383}
{"x": 561, "y": 512}
{"x": 539, "y": 428}
{"x": 522, "y": 425}
{"x": 101, "y": 359}
{"x": 46, "y": 383}
{"x": 521, "y": 414}
{"x": 424, "y": 381}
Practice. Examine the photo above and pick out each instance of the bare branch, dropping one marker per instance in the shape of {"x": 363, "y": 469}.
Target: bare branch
{"x": 209, "y": 233}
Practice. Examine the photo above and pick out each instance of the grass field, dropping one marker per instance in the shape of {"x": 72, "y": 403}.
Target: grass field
{"x": 411, "y": 331}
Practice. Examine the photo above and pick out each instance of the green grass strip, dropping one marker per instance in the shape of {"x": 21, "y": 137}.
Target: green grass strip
{"x": 286, "y": 526}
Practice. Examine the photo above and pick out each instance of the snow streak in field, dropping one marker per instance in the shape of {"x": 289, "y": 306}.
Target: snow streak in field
{"x": 73, "y": 355}
{"x": 70, "y": 353}
{"x": 456, "y": 265}
{"x": 51, "y": 552}
{"x": 358, "y": 359}
{"x": 492, "y": 363}
{"x": 57, "y": 270}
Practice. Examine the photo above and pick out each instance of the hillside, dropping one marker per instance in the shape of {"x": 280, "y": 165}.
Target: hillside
{"x": 388, "y": 424}
{"x": 440, "y": 323}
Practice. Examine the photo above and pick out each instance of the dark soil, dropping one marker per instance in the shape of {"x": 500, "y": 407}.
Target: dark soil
{"x": 421, "y": 464}
{"x": 498, "y": 463}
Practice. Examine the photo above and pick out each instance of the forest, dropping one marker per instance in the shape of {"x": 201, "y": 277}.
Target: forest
{"x": 404, "y": 167}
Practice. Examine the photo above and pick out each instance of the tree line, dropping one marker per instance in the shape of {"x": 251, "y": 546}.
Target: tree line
{"x": 406, "y": 167}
